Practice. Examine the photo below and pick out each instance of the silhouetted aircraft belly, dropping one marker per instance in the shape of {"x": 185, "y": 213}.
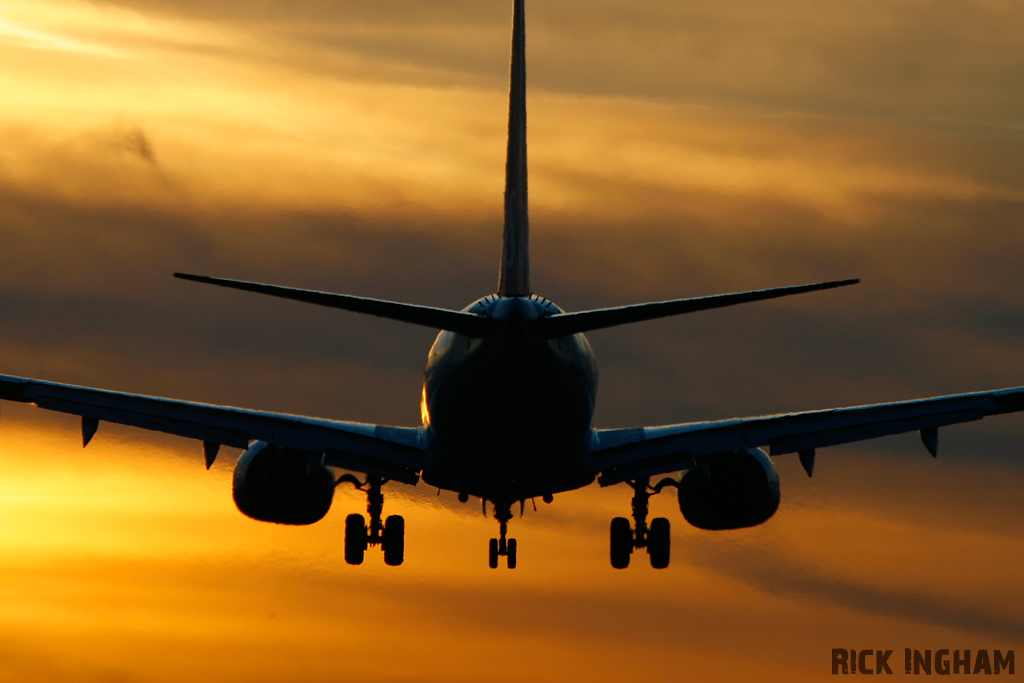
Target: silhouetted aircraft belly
{"x": 510, "y": 411}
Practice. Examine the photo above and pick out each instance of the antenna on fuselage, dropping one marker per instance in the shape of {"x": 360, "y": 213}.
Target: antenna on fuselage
{"x": 514, "y": 276}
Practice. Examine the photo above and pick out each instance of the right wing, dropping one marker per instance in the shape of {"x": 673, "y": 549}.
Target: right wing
{"x": 622, "y": 454}
{"x": 392, "y": 452}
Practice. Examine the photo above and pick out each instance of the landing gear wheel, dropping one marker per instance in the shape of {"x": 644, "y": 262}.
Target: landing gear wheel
{"x": 622, "y": 542}
{"x": 659, "y": 542}
{"x": 355, "y": 539}
{"x": 359, "y": 535}
{"x": 493, "y": 559}
{"x": 511, "y": 553}
{"x": 393, "y": 540}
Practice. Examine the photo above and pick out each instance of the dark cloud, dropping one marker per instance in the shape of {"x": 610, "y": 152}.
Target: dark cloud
{"x": 133, "y": 140}
{"x": 934, "y": 307}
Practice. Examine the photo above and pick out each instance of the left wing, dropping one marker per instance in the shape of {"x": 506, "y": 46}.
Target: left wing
{"x": 622, "y": 454}
{"x": 392, "y": 452}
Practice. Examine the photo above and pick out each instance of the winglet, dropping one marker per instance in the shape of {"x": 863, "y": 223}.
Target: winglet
{"x": 514, "y": 276}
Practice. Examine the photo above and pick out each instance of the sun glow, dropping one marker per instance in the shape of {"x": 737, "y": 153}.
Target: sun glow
{"x": 424, "y": 410}
{"x": 121, "y": 550}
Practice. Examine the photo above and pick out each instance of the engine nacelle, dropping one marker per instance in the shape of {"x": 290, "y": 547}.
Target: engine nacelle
{"x": 742, "y": 490}
{"x": 275, "y": 484}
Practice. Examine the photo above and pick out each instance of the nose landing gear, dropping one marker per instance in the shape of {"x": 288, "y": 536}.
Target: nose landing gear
{"x": 502, "y": 547}
{"x": 389, "y": 534}
{"x": 656, "y": 538}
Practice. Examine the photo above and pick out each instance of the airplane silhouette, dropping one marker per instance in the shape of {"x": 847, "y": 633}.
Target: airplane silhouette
{"x": 507, "y": 403}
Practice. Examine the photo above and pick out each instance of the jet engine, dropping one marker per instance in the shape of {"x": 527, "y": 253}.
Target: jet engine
{"x": 282, "y": 485}
{"x": 739, "y": 489}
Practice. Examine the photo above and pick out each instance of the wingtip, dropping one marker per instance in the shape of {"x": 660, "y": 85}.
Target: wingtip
{"x": 203, "y": 279}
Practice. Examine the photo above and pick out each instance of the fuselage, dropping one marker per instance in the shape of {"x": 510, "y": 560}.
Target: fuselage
{"x": 509, "y": 413}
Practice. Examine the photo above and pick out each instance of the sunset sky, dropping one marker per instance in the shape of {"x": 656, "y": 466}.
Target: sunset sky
{"x": 676, "y": 148}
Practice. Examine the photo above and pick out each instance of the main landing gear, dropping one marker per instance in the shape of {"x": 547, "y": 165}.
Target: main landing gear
{"x": 502, "y": 547}
{"x": 656, "y": 538}
{"x": 390, "y": 534}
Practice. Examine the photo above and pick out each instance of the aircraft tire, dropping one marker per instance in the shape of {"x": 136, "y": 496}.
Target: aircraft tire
{"x": 355, "y": 539}
{"x": 394, "y": 540}
{"x": 493, "y": 554}
{"x": 659, "y": 542}
{"x": 511, "y": 553}
{"x": 621, "y": 542}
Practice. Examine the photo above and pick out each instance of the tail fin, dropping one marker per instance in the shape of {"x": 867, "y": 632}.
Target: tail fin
{"x": 514, "y": 277}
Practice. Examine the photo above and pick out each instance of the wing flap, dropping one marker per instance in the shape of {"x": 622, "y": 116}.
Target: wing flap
{"x": 834, "y": 437}
{"x": 189, "y": 429}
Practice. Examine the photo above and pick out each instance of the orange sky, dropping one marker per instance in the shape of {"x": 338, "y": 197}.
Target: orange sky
{"x": 130, "y": 562}
{"x": 676, "y": 149}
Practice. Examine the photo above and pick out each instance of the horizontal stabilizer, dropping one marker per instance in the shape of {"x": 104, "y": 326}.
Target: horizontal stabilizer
{"x": 564, "y": 324}
{"x": 437, "y": 318}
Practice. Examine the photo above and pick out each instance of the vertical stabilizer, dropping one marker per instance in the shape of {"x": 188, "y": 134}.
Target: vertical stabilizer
{"x": 514, "y": 279}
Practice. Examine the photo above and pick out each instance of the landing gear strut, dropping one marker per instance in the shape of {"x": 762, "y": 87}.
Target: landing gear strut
{"x": 656, "y": 538}
{"x": 502, "y": 547}
{"x": 390, "y": 534}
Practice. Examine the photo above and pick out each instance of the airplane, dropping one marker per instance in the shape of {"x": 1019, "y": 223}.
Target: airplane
{"x": 507, "y": 404}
